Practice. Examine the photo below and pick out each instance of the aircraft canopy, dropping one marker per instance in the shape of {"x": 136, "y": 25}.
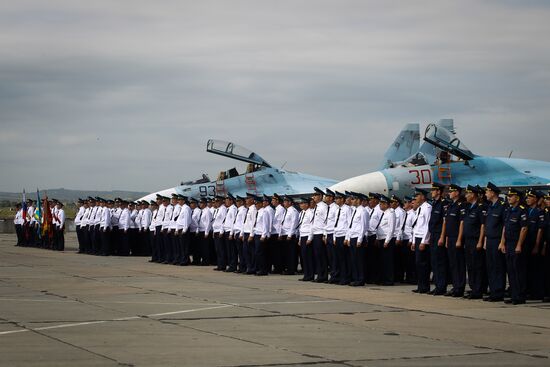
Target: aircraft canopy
{"x": 447, "y": 141}
{"x": 234, "y": 151}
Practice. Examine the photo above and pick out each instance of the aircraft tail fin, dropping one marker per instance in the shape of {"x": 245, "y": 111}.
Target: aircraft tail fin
{"x": 404, "y": 145}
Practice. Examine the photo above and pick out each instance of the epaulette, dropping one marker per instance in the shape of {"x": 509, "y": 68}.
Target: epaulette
{"x": 522, "y": 207}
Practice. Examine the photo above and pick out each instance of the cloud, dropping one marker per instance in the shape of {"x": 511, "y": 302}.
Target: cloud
{"x": 124, "y": 95}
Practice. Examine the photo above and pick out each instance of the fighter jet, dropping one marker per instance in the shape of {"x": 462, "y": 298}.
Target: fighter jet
{"x": 259, "y": 178}
{"x": 443, "y": 158}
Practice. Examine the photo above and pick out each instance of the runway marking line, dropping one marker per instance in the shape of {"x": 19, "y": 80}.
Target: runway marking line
{"x": 215, "y": 307}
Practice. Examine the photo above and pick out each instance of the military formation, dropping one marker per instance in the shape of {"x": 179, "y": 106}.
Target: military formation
{"x": 29, "y": 226}
{"x": 448, "y": 236}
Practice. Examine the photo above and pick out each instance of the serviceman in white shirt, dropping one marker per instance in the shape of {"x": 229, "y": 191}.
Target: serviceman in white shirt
{"x": 275, "y": 249}
{"x": 307, "y": 206}
{"x": 158, "y": 219}
{"x": 195, "y": 241}
{"x": 174, "y": 250}
{"x": 78, "y": 220}
{"x": 124, "y": 223}
{"x": 342, "y": 273}
{"x": 105, "y": 230}
{"x": 84, "y": 227}
{"x": 400, "y": 251}
{"x": 385, "y": 236}
{"x": 220, "y": 210}
{"x": 204, "y": 228}
{"x": 421, "y": 238}
{"x": 317, "y": 233}
{"x": 145, "y": 225}
{"x": 288, "y": 237}
{"x": 237, "y": 233}
{"x": 262, "y": 234}
{"x": 166, "y": 238}
{"x": 329, "y": 236}
{"x": 373, "y": 261}
{"x": 59, "y": 240}
{"x": 354, "y": 240}
{"x": 154, "y": 207}
{"x": 230, "y": 247}
{"x": 410, "y": 264}
{"x": 183, "y": 231}
{"x": 249, "y": 245}
{"x": 18, "y": 222}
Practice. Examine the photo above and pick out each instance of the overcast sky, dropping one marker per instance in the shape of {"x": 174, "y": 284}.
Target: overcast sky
{"x": 124, "y": 94}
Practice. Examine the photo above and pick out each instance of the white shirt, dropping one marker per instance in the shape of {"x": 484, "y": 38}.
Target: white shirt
{"x": 19, "y": 217}
{"x": 153, "y": 223}
{"x": 356, "y": 228}
{"x": 86, "y": 217}
{"x": 139, "y": 216}
{"x": 229, "y": 219}
{"x": 146, "y": 218}
{"x": 290, "y": 224}
{"x": 421, "y": 222}
{"x": 407, "y": 232}
{"x": 238, "y": 223}
{"x": 124, "y": 220}
{"x": 79, "y": 215}
{"x": 264, "y": 222}
{"x": 386, "y": 228}
{"x": 366, "y": 220}
{"x": 105, "y": 219}
{"x": 219, "y": 217}
{"x": 248, "y": 226}
{"x": 194, "y": 226}
{"x": 175, "y": 216}
{"x": 167, "y": 216}
{"x": 319, "y": 218}
{"x": 343, "y": 216}
{"x": 60, "y": 218}
{"x": 332, "y": 212}
{"x": 133, "y": 216}
{"x": 184, "y": 219}
{"x": 205, "y": 220}
{"x": 160, "y": 215}
{"x": 305, "y": 220}
{"x": 278, "y": 220}
{"x": 375, "y": 214}
{"x": 399, "y": 221}
{"x": 115, "y": 214}
{"x": 30, "y": 214}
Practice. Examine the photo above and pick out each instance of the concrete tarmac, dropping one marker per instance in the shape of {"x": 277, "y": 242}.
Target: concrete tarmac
{"x": 60, "y": 309}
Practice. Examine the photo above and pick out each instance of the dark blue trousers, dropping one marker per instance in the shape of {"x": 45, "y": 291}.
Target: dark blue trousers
{"x": 438, "y": 257}
{"x": 261, "y": 254}
{"x": 475, "y": 262}
{"x": 307, "y": 258}
{"x": 457, "y": 264}
{"x": 230, "y": 252}
{"x": 516, "y": 266}
{"x": 219, "y": 245}
{"x": 496, "y": 268}
{"x": 342, "y": 256}
{"x": 388, "y": 257}
{"x": 357, "y": 261}
{"x": 320, "y": 255}
{"x": 422, "y": 266}
{"x": 333, "y": 262}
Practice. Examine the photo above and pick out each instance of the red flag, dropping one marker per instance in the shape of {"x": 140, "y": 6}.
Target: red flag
{"x": 47, "y": 226}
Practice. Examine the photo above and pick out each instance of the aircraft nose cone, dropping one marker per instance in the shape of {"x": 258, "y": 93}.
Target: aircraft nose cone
{"x": 370, "y": 182}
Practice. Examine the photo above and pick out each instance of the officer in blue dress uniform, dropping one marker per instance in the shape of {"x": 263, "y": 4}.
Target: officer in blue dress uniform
{"x": 493, "y": 225}
{"x": 472, "y": 222}
{"x": 533, "y": 246}
{"x": 438, "y": 252}
{"x": 511, "y": 244}
{"x": 546, "y": 248}
{"x": 452, "y": 237}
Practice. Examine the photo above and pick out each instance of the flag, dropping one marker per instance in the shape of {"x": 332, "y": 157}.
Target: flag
{"x": 38, "y": 213}
{"x": 24, "y": 207}
{"x": 47, "y": 227}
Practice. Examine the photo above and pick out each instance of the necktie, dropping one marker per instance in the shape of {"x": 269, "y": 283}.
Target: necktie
{"x": 405, "y": 221}
{"x": 284, "y": 217}
{"x": 328, "y": 211}
{"x": 302, "y": 215}
{"x": 380, "y": 220}
{"x": 338, "y": 217}
{"x": 353, "y": 216}
{"x": 314, "y": 211}
{"x": 417, "y": 216}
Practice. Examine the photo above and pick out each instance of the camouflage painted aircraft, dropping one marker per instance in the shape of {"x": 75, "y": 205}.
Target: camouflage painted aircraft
{"x": 443, "y": 158}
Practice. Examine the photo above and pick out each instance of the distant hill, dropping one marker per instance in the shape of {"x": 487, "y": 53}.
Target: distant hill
{"x": 67, "y": 196}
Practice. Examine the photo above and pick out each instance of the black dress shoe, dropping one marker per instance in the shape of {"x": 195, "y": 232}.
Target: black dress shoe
{"x": 439, "y": 293}
{"x": 415, "y": 291}
{"x": 474, "y": 296}
{"x": 261, "y": 273}
{"x": 449, "y": 294}
{"x": 343, "y": 283}
{"x": 432, "y": 292}
{"x": 305, "y": 279}
{"x": 458, "y": 294}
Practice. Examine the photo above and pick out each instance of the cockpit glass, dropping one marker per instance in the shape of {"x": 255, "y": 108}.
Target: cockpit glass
{"x": 447, "y": 141}
{"x": 234, "y": 151}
